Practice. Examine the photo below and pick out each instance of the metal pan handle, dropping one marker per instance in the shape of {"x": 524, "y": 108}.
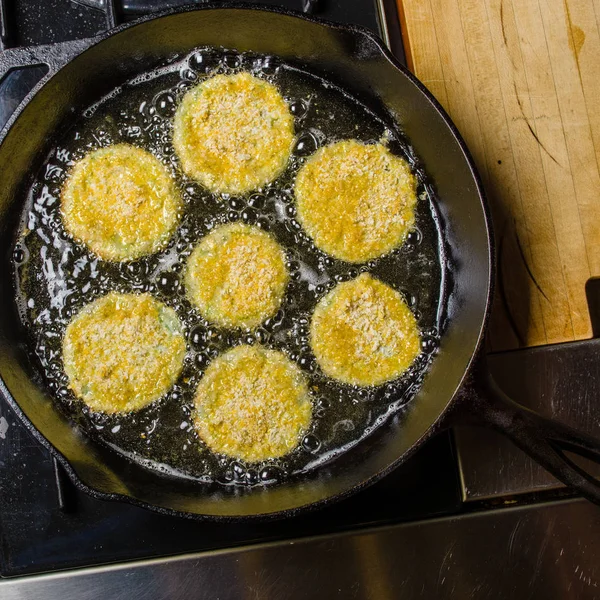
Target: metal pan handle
{"x": 54, "y": 56}
{"x": 544, "y": 440}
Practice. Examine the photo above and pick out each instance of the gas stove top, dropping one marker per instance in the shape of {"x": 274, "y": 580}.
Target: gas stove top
{"x": 45, "y": 522}
{"x": 47, "y": 525}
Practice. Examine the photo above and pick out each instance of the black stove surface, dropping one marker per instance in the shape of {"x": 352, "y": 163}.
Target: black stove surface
{"x": 45, "y": 522}
{"x": 45, "y": 21}
{"x": 37, "y": 534}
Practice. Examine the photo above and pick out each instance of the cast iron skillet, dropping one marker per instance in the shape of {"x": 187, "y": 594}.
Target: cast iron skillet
{"x": 358, "y": 62}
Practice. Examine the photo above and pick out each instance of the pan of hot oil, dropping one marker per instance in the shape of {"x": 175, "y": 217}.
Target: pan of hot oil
{"x": 252, "y": 265}
{"x": 161, "y": 435}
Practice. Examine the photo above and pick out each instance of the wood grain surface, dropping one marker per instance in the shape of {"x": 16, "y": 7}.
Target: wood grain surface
{"x": 521, "y": 80}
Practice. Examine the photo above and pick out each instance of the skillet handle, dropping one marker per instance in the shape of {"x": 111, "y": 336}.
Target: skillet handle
{"x": 54, "y": 56}
{"x": 543, "y": 439}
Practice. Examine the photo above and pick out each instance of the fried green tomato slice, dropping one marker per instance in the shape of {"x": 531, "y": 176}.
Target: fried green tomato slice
{"x": 123, "y": 351}
{"x": 356, "y": 201}
{"x": 121, "y": 202}
{"x": 237, "y": 276}
{"x": 252, "y": 404}
{"x": 363, "y": 333}
{"x": 233, "y": 133}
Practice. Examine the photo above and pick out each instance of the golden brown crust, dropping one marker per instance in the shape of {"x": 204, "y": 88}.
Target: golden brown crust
{"x": 123, "y": 351}
{"x": 236, "y": 276}
{"x": 363, "y": 333}
{"x": 121, "y": 202}
{"x": 252, "y": 404}
{"x": 233, "y": 133}
{"x": 356, "y": 200}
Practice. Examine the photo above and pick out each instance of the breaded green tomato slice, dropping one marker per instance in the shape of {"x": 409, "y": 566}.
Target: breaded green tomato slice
{"x": 252, "y": 404}
{"x": 356, "y": 201}
{"x": 363, "y": 333}
{"x": 233, "y": 133}
{"x": 123, "y": 351}
{"x": 121, "y": 202}
{"x": 237, "y": 276}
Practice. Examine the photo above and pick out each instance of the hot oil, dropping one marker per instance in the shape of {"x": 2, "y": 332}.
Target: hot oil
{"x": 56, "y": 277}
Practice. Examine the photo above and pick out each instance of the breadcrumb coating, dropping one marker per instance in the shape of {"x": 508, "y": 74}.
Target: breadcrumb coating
{"x": 123, "y": 351}
{"x": 252, "y": 404}
{"x": 237, "y": 276}
{"x": 363, "y": 333}
{"x": 356, "y": 201}
{"x": 121, "y": 202}
{"x": 233, "y": 133}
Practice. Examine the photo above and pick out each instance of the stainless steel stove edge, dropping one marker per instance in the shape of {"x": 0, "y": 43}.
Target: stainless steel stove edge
{"x": 539, "y": 551}
{"x": 561, "y": 381}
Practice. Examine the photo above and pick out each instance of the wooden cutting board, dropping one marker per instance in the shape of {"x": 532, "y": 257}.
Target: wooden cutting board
{"x": 521, "y": 80}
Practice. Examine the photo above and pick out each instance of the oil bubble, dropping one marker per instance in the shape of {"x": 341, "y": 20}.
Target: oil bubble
{"x": 306, "y": 144}
{"x": 249, "y": 215}
{"x": 262, "y": 336}
{"x": 18, "y": 254}
{"x": 198, "y": 338}
{"x": 287, "y": 196}
{"x": 232, "y": 61}
{"x": 183, "y": 247}
{"x": 311, "y": 443}
{"x": 306, "y": 363}
{"x": 184, "y": 86}
{"x": 201, "y": 361}
{"x": 164, "y": 103}
{"x": 204, "y": 62}
{"x": 299, "y": 108}
{"x": 257, "y": 201}
{"x": 269, "y": 65}
{"x": 137, "y": 269}
{"x": 414, "y": 237}
{"x": 214, "y": 336}
{"x": 188, "y": 74}
{"x": 429, "y": 344}
{"x": 63, "y": 393}
{"x": 194, "y": 190}
{"x": 236, "y": 203}
{"x": 271, "y": 474}
{"x": 239, "y": 472}
{"x": 168, "y": 283}
{"x": 363, "y": 395}
{"x": 263, "y": 224}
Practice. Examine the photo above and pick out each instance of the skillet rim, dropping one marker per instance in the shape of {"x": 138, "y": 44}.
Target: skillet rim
{"x": 434, "y": 427}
